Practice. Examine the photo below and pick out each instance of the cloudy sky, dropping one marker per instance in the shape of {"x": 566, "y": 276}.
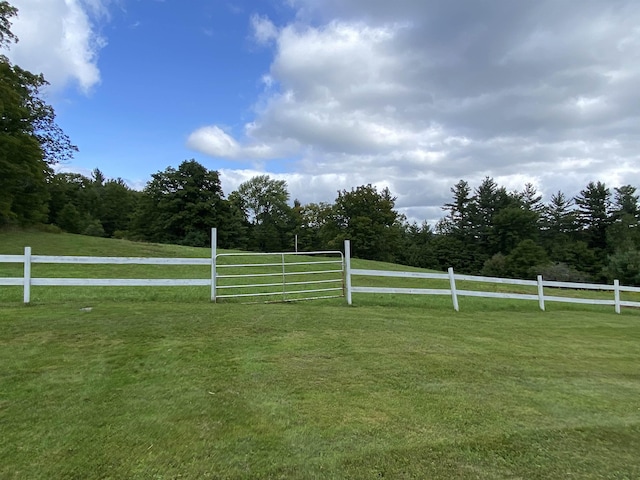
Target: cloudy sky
{"x": 331, "y": 94}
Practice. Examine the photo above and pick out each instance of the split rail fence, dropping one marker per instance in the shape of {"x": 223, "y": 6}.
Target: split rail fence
{"x": 291, "y": 276}
{"x": 541, "y": 297}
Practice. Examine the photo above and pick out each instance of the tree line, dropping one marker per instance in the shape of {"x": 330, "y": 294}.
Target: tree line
{"x": 486, "y": 230}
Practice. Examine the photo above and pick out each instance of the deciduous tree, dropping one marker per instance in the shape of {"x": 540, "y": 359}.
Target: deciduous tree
{"x": 30, "y": 140}
{"x": 265, "y": 203}
{"x": 181, "y": 206}
{"x": 367, "y": 217}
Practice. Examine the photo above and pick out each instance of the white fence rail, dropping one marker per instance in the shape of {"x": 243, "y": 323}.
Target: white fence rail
{"x": 454, "y": 292}
{"x": 27, "y": 280}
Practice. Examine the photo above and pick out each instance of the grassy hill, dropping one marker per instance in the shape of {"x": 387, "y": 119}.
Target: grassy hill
{"x": 165, "y": 384}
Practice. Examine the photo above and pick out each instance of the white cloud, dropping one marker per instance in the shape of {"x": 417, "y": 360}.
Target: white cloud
{"x": 264, "y": 31}
{"x": 417, "y": 94}
{"x": 213, "y": 141}
{"x": 59, "y": 39}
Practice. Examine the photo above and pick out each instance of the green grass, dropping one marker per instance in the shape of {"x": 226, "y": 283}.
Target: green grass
{"x": 394, "y": 387}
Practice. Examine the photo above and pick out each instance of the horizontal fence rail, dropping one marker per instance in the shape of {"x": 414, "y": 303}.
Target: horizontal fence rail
{"x": 454, "y": 292}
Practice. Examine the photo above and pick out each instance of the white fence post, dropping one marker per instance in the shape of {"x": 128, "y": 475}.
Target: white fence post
{"x": 616, "y": 293}
{"x": 454, "y": 292}
{"x": 284, "y": 279}
{"x": 214, "y": 241}
{"x": 540, "y": 293}
{"x": 347, "y": 265}
{"x": 27, "y": 275}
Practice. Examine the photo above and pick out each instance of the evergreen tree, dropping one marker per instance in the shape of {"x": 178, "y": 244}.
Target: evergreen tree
{"x": 559, "y": 219}
{"x": 489, "y": 199}
{"x": 459, "y": 221}
{"x": 594, "y": 209}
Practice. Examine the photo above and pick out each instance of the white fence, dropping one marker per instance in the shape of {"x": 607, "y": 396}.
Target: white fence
{"x": 454, "y": 292}
{"x": 27, "y": 280}
{"x": 329, "y": 273}
{"x": 308, "y": 281}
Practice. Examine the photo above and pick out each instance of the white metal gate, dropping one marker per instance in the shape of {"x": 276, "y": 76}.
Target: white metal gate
{"x": 279, "y": 277}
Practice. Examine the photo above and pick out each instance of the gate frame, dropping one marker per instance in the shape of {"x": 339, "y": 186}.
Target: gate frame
{"x": 343, "y": 276}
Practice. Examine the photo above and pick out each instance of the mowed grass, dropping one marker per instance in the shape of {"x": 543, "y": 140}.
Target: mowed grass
{"x": 393, "y": 387}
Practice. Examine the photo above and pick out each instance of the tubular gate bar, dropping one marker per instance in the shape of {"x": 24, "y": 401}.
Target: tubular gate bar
{"x": 280, "y": 278}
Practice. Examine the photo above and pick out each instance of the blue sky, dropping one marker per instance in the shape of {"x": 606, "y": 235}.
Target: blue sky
{"x": 413, "y": 95}
{"x": 165, "y": 71}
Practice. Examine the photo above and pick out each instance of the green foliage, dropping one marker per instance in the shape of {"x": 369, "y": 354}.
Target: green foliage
{"x": 462, "y": 255}
{"x": 624, "y": 265}
{"x": 417, "y": 246}
{"x": 30, "y": 140}
{"x": 496, "y": 266}
{"x": 94, "y": 229}
{"x": 73, "y": 201}
{"x": 526, "y": 255}
{"x": 594, "y": 209}
{"x": 116, "y": 204}
{"x": 272, "y": 221}
{"x": 181, "y": 206}
{"x": 71, "y": 220}
{"x": 512, "y": 225}
{"x": 312, "y": 230}
{"x": 23, "y": 170}
{"x": 561, "y": 272}
{"x": 559, "y": 226}
{"x": 263, "y": 198}
{"x": 626, "y": 202}
{"x": 525, "y": 261}
{"x": 366, "y": 217}
{"x": 7, "y": 12}
{"x": 459, "y": 221}
{"x": 77, "y": 203}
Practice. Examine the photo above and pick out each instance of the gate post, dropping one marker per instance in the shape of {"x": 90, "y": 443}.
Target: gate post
{"x": 214, "y": 241}
{"x": 347, "y": 265}
{"x": 540, "y": 293}
{"x": 27, "y": 276}
{"x": 454, "y": 292}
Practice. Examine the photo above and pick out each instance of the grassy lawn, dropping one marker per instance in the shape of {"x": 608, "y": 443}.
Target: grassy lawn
{"x": 395, "y": 387}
